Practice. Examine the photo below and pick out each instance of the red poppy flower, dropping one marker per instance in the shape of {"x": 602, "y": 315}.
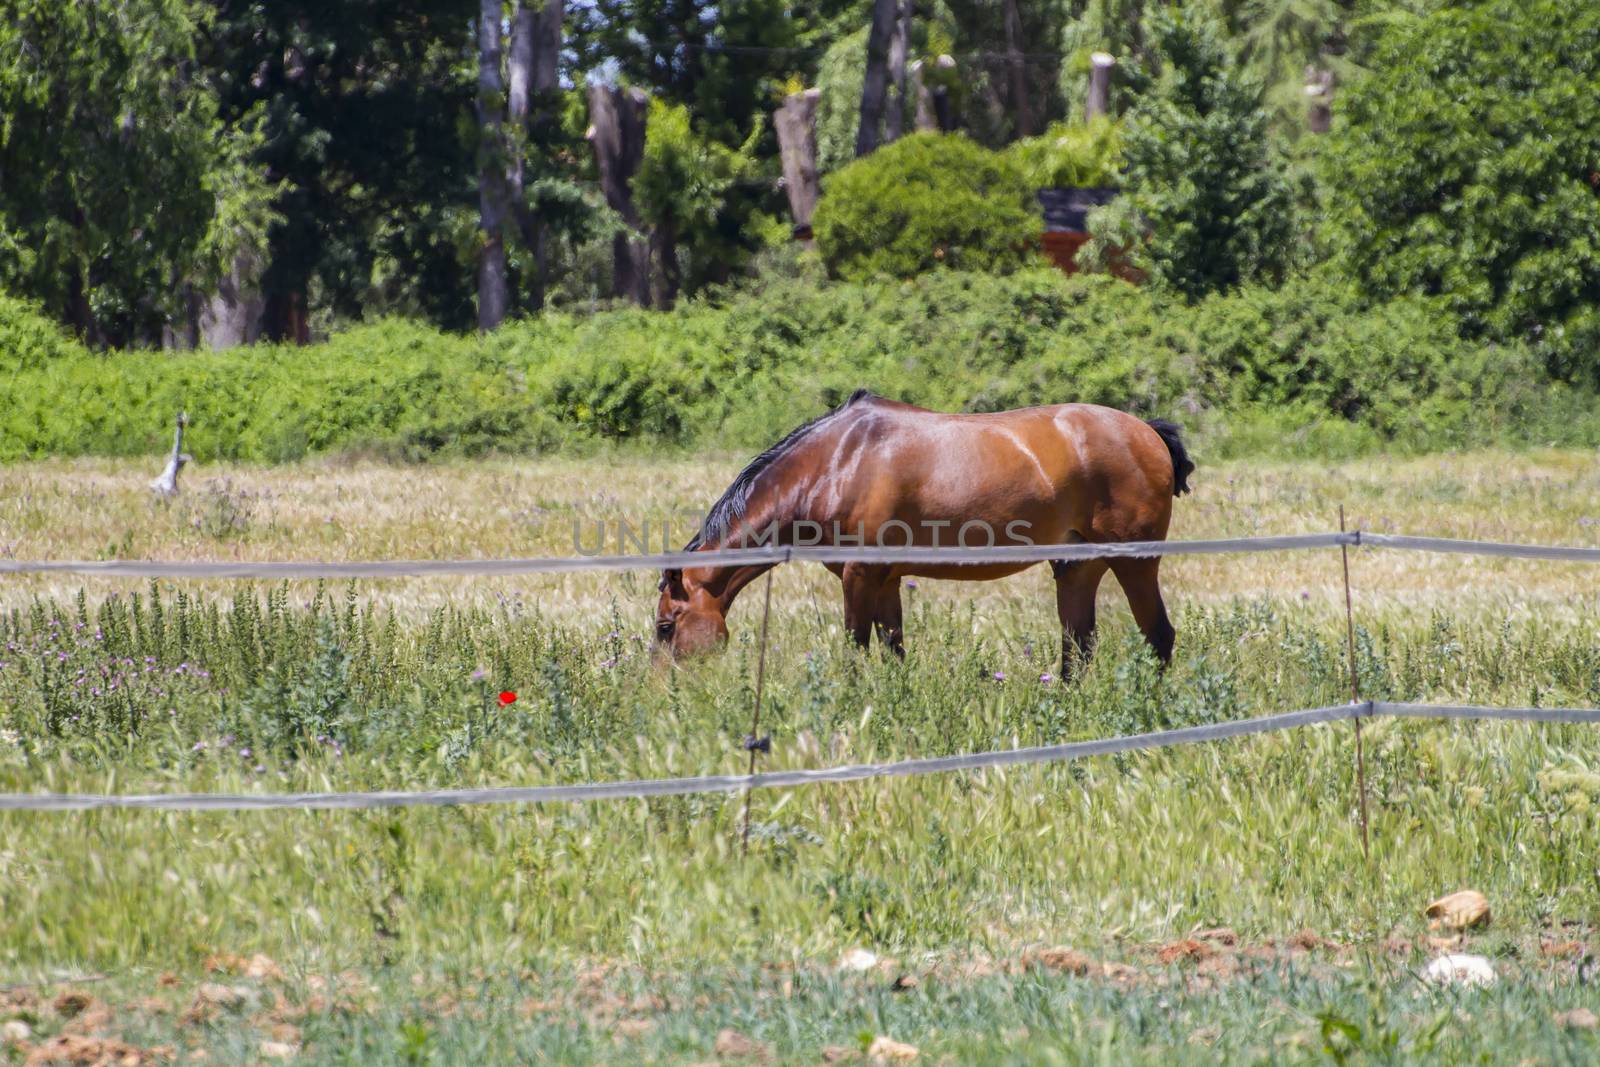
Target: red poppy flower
{"x": 508, "y": 697}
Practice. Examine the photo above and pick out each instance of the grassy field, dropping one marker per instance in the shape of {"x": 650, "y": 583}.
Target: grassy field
{"x": 1213, "y": 899}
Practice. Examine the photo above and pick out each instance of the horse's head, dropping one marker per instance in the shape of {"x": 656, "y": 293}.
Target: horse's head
{"x": 689, "y": 620}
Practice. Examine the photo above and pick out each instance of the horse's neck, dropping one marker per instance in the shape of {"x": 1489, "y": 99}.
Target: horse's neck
{"x": 768, "y": 521}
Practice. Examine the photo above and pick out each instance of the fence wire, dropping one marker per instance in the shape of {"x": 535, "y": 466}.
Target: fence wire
{"x": 728, "y": 783}
{"x": 773, "y": 554}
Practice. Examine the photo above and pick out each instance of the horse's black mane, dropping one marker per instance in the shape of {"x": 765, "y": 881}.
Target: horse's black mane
{"x": 730, "y": 507}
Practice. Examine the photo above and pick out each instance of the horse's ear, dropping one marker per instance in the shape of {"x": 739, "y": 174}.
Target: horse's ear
{"x": 672, "y": 582}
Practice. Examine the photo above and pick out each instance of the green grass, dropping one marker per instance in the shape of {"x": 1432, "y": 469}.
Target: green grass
{"x": 373, "y": 687}
{"x": 1305, "y": 1010}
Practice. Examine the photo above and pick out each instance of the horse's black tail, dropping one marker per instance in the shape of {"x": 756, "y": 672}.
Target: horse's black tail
{"x": 1182, "y": 465}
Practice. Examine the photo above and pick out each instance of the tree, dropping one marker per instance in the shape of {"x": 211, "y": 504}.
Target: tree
{"x": 367, "y": 130}
{"x": 1200, "y": 170}
{"x": 124, "y": 189}
{"x": 494, "y": 195}
{"x": 1468, "y": 165}
{"x": 682, "y": 189}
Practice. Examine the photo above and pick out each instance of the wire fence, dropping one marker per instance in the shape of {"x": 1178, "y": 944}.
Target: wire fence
{"x": 772, "y": 554}
{"x": 1356, "y": 711}
{"x": 729, "y": 783}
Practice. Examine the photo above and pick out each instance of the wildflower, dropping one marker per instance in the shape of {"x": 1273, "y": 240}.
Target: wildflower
{"x": 244, "y": 753}
{"x": 911, "y": 583}
{"x": 199, "y": 746}
{"x": 479, "y": 675}
{"x": 999, "y": 676}
{"x": 1046, "y": 678}
{"x": 507, "y": 698}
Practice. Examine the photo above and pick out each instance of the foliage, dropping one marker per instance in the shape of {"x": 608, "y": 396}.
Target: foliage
{"x": 682, "y": 188}
{"x": 927, "y": 201}
{"x": 124, "y": 187}
{"x": 738, "y": 370}
{"x": 362, "y": 108}
{"x": 28, "y": 339}
{"x": 1200, "y": 171}
{"x": 840, "y": 75}
{"x": 1465, "y": 167}
{"x": 1070, "y": 154}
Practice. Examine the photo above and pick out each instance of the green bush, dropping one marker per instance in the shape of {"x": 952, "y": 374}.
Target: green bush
{"x": 1299, "y": 369}
{"x": 1085, "y": 155}
{"x": 1465, "y": 166}
{"x": 28, "y": 339}
{"x": 926, "y": 201}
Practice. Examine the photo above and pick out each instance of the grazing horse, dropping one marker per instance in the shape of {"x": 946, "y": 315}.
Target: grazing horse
{"x": 879, "y": 472}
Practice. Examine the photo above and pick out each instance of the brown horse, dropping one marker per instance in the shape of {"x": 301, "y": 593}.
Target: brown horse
{"x": 879, "y": 472}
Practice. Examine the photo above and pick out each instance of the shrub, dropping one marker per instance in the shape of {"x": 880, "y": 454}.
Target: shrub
{"x": 1201, "y": 174}
{"x": 28, "y": 339}
{"x": 1301, "y": 367}
{"x": 1070, "y": 154}
{"x": 928, "y": 200}
{"x": 1465, "y": 166}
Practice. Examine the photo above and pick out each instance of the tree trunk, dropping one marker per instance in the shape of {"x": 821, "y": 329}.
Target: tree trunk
{"x": 519, "y": 82}
{"x": 796, "y": 123}
{"x": 1319, "y": 99}
{"x": 666, "y": 278}
{"x": 1099, "y": 98}
{"x": 876, "y": 82}
{"x": 933, "y": 102}
{"x": 534, "y": 68}
{"x": 1021, "y": 109}
{"x": 235, "y": 313}
{"x": 616, "y": 131}
{"x": 547, "y": 48}
{"x": 895, "y": 121}
{"x": 493, "y": 195}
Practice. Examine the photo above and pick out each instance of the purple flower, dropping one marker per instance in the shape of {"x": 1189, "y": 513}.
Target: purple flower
{"x": 911, "y": 583}
{"x": 479, "y": 675}
{"x": 1046, "y": 678}
{"x": 199, "y": 746}
{"x": 999, "y": 676}
{"x": 245, "y": 752}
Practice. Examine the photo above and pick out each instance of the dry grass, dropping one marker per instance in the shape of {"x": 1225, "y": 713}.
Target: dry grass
{"x": 94, "y": 509}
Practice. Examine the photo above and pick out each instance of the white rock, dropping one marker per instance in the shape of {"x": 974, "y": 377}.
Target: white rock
{"x": 858, "y": 959}
{"x": 14, "y": 1032}
{"x": 1466, "y": 970}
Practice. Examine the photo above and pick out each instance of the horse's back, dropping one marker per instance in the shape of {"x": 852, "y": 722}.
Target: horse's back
{"x": 1069, "y": 471}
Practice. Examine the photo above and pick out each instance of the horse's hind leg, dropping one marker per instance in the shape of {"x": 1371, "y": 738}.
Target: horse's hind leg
{"x": 888, "y": 619}
{"x": 1139, "y": 580}
{"x": 1076, "y": 585}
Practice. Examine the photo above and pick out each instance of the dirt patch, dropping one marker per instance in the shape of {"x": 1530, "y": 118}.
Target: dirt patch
{"x": 80, "y": 1051}
{"x": 1189, "y": 950}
